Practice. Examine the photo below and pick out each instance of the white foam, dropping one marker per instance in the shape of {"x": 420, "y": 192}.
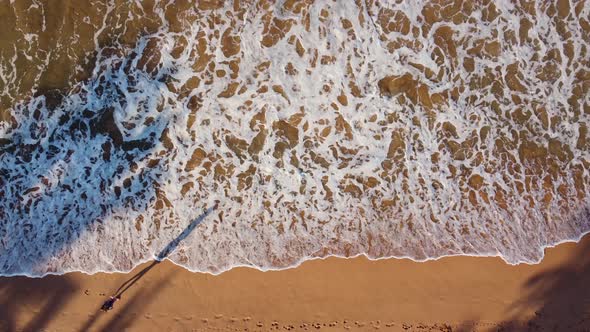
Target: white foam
{"x": 281, "y": 216}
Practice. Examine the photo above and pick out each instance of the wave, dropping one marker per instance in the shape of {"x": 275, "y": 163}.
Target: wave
{"x": 324, "y": 129}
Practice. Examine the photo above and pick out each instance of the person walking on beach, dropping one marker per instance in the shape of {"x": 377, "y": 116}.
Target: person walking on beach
{"x": 108, "y": 304}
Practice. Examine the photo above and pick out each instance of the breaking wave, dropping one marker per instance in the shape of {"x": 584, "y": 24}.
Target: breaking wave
{"x": 294, "y": 130}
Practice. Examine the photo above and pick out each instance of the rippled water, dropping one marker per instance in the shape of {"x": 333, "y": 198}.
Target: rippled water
{"x": 388, "y": 128}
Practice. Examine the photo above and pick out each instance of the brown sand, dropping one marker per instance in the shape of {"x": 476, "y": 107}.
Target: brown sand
{"x": 454, "y": 293}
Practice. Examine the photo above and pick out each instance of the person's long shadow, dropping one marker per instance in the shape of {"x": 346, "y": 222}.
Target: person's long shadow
{"x": 164, "y": 253}
{"x": 135, "y": 300}
{"x": 124, "y": 317}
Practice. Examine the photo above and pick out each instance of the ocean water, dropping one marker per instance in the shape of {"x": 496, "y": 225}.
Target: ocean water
{"x": 265, "y": 133}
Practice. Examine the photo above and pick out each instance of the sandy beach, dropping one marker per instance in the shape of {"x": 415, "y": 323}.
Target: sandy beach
{"x": 449, "y": 294}
{"x": 222, "y": 133}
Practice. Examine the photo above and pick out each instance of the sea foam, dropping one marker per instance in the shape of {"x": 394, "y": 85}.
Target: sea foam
{"x": 334, "y": 128}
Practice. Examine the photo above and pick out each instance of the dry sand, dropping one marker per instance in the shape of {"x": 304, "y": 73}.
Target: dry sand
{"x": 453, "y": 293}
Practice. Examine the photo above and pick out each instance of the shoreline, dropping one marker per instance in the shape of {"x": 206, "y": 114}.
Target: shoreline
{"x": 306, "y": 259}
{"x": 461, "y": 292}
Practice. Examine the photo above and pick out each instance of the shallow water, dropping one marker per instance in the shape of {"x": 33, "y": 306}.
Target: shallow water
{"x": 388, "y": 128}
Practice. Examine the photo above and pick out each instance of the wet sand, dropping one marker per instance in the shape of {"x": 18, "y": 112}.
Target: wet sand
{"x": 453, "y": 293}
